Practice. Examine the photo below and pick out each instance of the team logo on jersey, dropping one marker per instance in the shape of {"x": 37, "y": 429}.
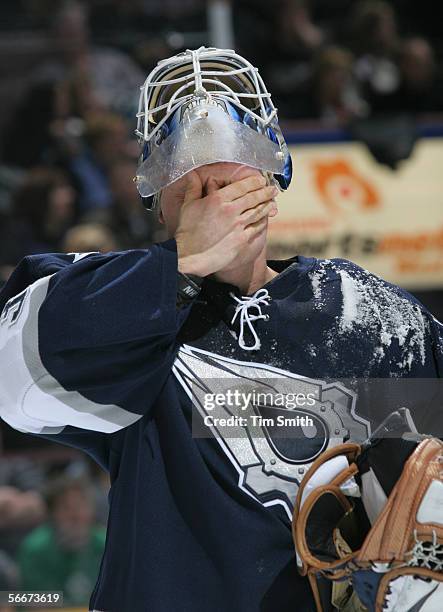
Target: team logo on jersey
{"x": 270, "y": 460}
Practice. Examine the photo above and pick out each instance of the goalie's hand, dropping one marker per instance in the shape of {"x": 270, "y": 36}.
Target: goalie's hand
{"x": 217, "y": 223}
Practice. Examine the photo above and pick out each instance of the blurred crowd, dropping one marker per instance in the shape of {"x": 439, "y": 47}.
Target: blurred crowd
{"x": 53, "y": 514}
{"x": 68, "y": 155}
{"x": 339, "y": 60}
{"x": 69, "y": 84}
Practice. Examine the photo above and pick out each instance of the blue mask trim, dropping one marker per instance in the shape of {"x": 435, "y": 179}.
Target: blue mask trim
{"x": 171, "y": 124}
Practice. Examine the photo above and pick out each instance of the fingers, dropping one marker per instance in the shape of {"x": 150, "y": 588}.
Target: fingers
{"x": 193, "y": 188}
{"x": 242, "y": 171}
{"x": 256, "y": 213}
{"x": 240, "y": 188}
{"x": 254, "y": 229}
{"x": 254, "y": 198}
{"x": 274, "y": 211}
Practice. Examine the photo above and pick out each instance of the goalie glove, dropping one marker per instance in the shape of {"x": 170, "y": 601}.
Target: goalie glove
{"x": 394, "y": 564}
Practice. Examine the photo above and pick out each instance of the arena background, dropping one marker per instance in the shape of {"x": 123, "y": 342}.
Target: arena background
{"x": 359, "y": 87}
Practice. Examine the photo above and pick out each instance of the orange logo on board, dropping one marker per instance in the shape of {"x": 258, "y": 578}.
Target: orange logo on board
{"x": 343, "y": 188}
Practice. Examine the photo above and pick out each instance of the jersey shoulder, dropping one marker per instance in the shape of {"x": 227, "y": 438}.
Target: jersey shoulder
{"x": 33, "y": 267}
{"x": 397, "y": 327}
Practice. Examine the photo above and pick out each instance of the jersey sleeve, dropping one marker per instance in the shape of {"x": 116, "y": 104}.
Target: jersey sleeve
{"x": 87, "y": 342}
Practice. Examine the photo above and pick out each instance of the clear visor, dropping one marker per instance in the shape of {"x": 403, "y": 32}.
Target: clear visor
{"x": 206, "y": 135}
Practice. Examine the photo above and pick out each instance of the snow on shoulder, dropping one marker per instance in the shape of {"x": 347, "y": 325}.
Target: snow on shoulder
{"x": 385, "y": 311}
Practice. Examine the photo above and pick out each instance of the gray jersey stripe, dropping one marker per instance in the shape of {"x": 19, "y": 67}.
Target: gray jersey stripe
{"x": 48, "y": 384}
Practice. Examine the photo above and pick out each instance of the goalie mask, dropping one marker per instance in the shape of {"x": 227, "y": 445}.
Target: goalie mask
{"x": 201, "y": 107}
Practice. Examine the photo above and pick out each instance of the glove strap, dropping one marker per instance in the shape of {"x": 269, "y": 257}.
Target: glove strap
{"x": 188, "y": 287}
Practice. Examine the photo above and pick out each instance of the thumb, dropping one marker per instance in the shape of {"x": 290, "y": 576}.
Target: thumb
{"x": 193, "y": 187}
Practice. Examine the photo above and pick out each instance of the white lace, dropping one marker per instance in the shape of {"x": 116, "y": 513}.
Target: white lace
{"x": 426, "y": 554}
{"x": 243, "y": 304}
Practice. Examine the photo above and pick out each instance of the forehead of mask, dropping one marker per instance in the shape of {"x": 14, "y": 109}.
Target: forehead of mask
{"x": 161, "y": 94}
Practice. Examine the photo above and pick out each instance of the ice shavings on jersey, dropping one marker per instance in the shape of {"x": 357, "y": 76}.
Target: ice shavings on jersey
{"x": 351, "y": 301}
{"x": 312, "y": 351}
{"x": 369, "y": 303}
{"x": 316, "y": 282}
{"x": 317, "y": 277}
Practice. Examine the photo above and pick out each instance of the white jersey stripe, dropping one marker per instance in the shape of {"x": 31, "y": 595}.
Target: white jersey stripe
{"x": 31, "y": 399}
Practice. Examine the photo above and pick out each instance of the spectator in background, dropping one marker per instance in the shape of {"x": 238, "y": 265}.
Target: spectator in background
{"x": 86, "y": 467}
{"x": 330, "y": 92}
{"x": 142, "y": 34}
{"x": 373, "y": 28}
{"x": 106, "y": 140}
{"x": 419, "y": 89}
{"x": 333, "y": 91}
{"x": 105, "y": 78}
{"x": 130, "y": 223}
{"x": 298, "y": 36}
{"x": 287, "y": 29}
{"x": 22, "y": 507}
{"x": 20, "y": 511}
{"x": 42, "y": 210}
{"x": 374, "y": 40}
{"x": 27, "y": 136}
{"x": 8, "y": 578}
{"x": 50, "y": 120}
{"x": 395, "y": 75}
{"x": 65, "y": 553}
{"x": 89, "y": 237}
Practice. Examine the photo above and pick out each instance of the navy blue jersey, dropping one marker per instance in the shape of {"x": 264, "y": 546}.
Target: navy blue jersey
{"x": 95, "y": 354}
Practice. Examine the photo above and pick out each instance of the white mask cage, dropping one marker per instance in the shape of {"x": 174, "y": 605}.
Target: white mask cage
{"x": 205, "y": 74}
